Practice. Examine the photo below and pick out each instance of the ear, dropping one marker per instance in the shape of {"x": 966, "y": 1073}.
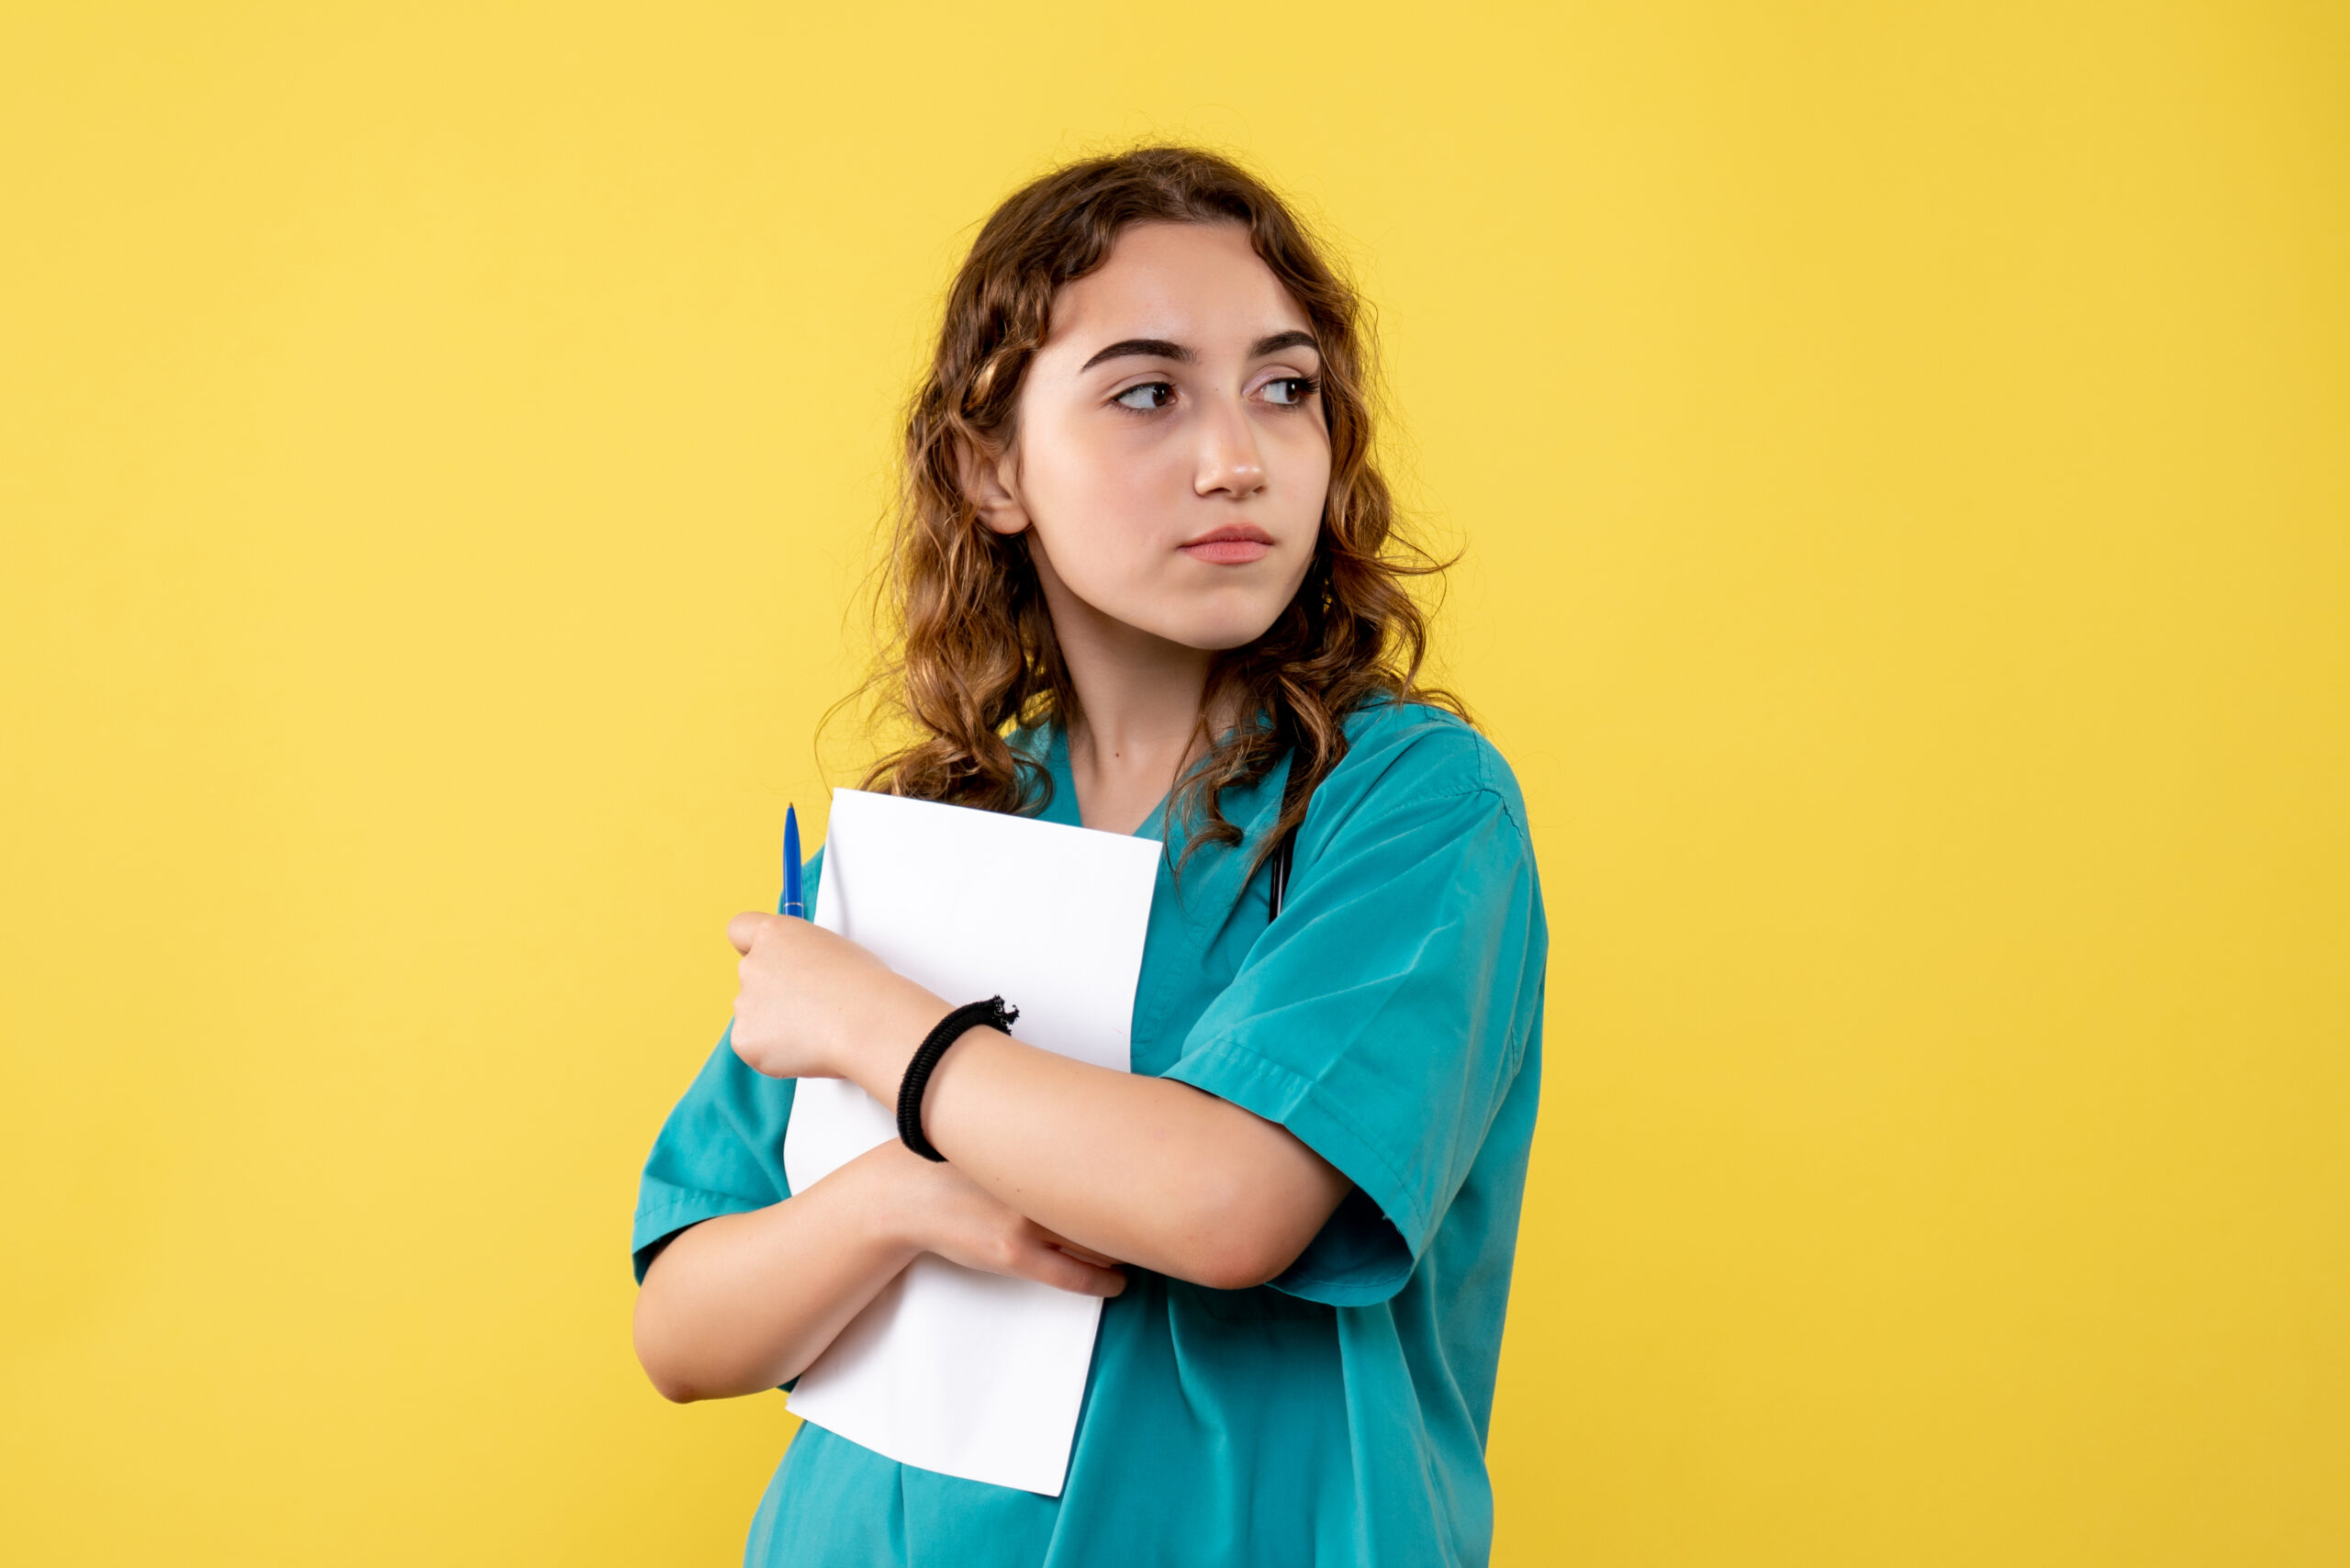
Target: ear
{"x": 992, "y": 480}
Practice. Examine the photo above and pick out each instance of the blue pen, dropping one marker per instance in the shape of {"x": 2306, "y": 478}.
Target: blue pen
{"x": 791, "y": 905}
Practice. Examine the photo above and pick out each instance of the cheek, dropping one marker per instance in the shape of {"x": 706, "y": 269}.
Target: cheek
{"x": 1099, "y": 502}
{"x": 1315, "y": 467}
{"x": 1300, "y": 470}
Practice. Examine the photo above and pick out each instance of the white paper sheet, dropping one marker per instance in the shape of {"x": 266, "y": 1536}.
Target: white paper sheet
{"x": 968, "y": 1374}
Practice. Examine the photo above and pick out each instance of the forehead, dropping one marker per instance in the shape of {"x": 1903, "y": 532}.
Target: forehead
{"x": 1194, "y": 284}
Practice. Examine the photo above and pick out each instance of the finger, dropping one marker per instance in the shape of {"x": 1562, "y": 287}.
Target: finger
{"x": 1098, "y": 1260}
{"x": 1050, "y": 1266}
{"x": 745, "y": 928}
{"x": 1054, "y": 1238}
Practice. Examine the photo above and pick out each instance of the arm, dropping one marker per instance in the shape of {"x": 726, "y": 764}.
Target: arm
{"x": 741, "y": 1303}
{"x": 1142, "y": 1169}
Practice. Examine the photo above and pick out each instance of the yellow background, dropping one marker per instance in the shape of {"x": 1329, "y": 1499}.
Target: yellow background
{"x": 1901, "y": 455}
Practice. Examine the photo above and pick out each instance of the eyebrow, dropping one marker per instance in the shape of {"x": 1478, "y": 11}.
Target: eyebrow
{"x": 1293, "y": 339}
{"x": 1159, "y": 348}
{"x": 1154, "y": 348}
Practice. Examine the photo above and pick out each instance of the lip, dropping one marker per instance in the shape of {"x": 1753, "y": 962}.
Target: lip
{"x": 1234, "y": 544}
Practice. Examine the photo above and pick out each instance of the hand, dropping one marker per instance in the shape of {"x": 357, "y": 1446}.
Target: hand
{"x": 809, "y": 998}
{"x": 936, "y": 1208}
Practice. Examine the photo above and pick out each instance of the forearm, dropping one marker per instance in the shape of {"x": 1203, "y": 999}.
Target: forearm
{"x": 1146, "y": 1169}
{"x": 744, "y": 1302}
{"x": 1140, "y": 1168}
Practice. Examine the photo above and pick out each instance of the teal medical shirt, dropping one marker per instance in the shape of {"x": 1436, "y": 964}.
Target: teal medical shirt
{"x": 1392, "y": 1019}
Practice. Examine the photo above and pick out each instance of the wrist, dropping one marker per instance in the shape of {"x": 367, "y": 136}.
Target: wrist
{"x": 891, "y": 1210}
{"x": 878, "y": 1043}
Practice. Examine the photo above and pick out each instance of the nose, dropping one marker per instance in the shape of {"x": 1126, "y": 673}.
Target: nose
{"x": 1229, "y": 461}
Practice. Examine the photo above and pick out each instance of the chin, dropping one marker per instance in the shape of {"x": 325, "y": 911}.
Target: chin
{"x": 1218, "y": 634}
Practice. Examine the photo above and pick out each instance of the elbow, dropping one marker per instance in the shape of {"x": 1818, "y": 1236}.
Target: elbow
{"x": 1249, "y": 1227}
{"x": 1241, "y": 1253}
{"x": 682, "y": 1378}
{"x": 669, "y": 1373}
{"x": 675, "y": 1390}
{"x": 670, "y": 1380}
{"x": 678, "y": 1386}
{"x": 1236, "y": 1272}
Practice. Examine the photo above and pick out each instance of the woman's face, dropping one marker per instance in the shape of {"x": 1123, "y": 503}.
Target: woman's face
{"x": 1171, "y": 459}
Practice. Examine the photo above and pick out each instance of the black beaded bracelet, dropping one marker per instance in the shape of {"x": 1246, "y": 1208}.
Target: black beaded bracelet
{"x": 992, "y": 1014}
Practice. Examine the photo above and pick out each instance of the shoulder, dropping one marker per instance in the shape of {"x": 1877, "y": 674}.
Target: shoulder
{"x": 1401, "y": 754}
{"x": 1409, "y": 749}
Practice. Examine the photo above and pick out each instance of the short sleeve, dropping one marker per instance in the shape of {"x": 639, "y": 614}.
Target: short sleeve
{"x": 1384, "y": 1018}
{"x": 721, "y": 1151}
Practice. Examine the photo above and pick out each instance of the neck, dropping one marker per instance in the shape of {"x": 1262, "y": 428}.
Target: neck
{"x": 1138, "y": 699}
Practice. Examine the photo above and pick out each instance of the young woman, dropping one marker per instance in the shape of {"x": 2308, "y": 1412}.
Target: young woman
{"x": 1147, "y": 584}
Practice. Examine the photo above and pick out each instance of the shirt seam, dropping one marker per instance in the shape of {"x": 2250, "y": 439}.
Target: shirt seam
{"x": 1429, "y": 795}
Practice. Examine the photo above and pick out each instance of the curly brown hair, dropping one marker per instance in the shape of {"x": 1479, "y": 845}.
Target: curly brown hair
{"x": 970, "y": 649}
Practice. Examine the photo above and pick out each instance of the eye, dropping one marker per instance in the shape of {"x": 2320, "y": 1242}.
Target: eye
{"x": 1291, "y": 390}
{"x": 1148, "y": 395}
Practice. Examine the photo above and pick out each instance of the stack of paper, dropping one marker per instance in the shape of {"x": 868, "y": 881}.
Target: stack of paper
{"x": 968, "y": 1374}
